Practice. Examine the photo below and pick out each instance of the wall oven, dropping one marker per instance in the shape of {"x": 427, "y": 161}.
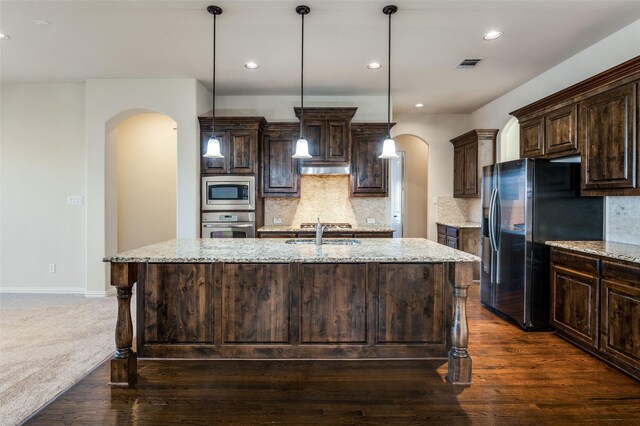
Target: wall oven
{"x": 229, "y": 225}
{"x": 228, "y": 193}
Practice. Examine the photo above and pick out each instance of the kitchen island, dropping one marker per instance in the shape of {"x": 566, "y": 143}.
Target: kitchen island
{"x": 269, "y": 299}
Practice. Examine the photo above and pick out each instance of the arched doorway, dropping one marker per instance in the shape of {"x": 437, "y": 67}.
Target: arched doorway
{"x": 140, "y": 184}
{"x": 415, "y": 193}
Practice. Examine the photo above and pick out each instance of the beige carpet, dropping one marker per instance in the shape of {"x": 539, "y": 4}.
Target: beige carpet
{"x": 47, "y": 343}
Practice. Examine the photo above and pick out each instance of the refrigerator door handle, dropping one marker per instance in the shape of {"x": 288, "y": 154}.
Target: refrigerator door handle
{"x": 498, "y": 213}
{"x": 492, "y": 220}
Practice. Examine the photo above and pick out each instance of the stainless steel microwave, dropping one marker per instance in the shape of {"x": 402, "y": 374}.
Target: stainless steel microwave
{"x": 228, "y": 193}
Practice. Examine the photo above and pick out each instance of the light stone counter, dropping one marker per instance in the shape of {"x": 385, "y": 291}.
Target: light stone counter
{"x": 461, "y": 225}
{"x": 355, "y": 229}
{"x": 620, "y": 251}
{"x": 272, "y": 250}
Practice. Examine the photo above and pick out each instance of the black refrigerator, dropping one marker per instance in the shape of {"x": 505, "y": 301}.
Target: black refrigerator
{"x": 524, "y": 204}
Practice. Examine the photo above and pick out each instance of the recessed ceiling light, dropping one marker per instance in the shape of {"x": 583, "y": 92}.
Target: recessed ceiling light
{"x": 373, "y": 66}
{"x": 418, "y": 105}
{"x": 40, "y": 22}
{"x": 492, "y": 35}
{"x": 251, "y": 65}
{"x": 4, "y": 37}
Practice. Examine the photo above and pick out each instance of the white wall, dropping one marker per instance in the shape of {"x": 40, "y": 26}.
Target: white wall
{"x": 437, "y": 130}
{"x": 42, "y": 162}
{"x": 109, "y": 102}
{"x": 609, "y": 52}
{"x": 146, "y": 151}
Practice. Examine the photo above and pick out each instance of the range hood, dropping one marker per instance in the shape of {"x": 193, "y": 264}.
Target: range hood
{"x": 323, "y": 169}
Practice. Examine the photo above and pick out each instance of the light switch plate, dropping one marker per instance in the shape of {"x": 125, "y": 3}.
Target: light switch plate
{"x": 371, "y": 221}
{"x": 75, "y": 200}
{"x": 277, "y": 220}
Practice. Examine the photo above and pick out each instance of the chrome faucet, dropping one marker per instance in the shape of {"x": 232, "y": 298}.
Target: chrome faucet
{"x": 319, "y": 230}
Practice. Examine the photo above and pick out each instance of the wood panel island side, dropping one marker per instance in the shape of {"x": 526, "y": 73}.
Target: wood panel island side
{"x": 267, "y": 299}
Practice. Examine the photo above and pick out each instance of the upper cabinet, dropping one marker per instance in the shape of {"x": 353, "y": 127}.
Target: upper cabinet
{"x": 596, "y": 119}
{"x": 471, "y": 152}
{"x": 369, "y": 174}
{"x": 239, "y": 140}
{"x": 279, "y": 170}
{"x": 328, "y": 132}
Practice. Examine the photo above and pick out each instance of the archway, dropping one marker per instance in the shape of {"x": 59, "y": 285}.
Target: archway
{"x": 509, "y": 142}
{"x": 140, "y": 179}
{"x": 416, "y": 180}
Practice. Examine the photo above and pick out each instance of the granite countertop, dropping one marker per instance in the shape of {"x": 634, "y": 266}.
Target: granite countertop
{"x": 268, "y": 250}
{"x": 292, "y": 228}
{"x": 620, "y": 251}
{"x": 460, "y": 224}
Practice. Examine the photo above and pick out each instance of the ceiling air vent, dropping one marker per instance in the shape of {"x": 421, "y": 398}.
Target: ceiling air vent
{"x": 468, "y": 63}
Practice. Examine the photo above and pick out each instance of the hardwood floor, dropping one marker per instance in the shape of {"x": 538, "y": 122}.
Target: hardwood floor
{"x": 518, "y": 378}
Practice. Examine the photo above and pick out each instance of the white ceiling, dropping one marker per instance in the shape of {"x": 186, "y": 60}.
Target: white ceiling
{"x": 172, "y": 39}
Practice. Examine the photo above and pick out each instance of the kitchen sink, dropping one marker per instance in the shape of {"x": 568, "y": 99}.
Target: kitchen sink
{"x": 326, "y": 241}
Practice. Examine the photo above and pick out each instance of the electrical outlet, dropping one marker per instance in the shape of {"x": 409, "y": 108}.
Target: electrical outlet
{"x": 277, "y": 220}
{"x": 75, "y": 200}
{"x": 371, "y": 221}
{"x": 52, "y": 268}
{"x": 435, "y": 200}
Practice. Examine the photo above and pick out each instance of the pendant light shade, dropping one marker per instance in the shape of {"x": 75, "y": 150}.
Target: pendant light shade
{"x": 302, "y": 146}
{"x": 389, "y": 145}
{"x": 213, "y": 145}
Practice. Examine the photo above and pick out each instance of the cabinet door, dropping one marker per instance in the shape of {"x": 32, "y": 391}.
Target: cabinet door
{"x": 280, "y": 175}
{"x": 471, "y": 170}
{"x": 369, "y": 173}
{"x": 620, "y": 329}
{"x": 338, "y": 142}
{"x": 607, "y": 128}
{"x": 243, "y": 149}
{"x": 458, "y": 172}
{"x": 561, "y": 131}
{"x": 452, "y": 242}
{"x": 314, "y": 133}
{"x": 215, "y": 165}
{"x": 532, "y": 137}
{"x": 575, "y": 303}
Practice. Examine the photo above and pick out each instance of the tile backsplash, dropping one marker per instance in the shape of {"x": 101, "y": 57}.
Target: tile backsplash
{"x": 450, "y": 209}
{"x": 623, "y": 219}
{"x": 328, "y": 198}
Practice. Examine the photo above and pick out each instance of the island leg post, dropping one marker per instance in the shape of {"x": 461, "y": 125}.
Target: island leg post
{"x": 459, "y": 372}
{"x": 124, "y": 366}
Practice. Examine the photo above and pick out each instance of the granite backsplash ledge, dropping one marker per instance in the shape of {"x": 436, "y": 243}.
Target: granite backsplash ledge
{"x": 326, "y": 197}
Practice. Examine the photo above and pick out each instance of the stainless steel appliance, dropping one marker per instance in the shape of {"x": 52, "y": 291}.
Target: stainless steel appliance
{"x": 229, "y": 225}
{"x": 228, "y": 193}
{"x": 525, "y": 203}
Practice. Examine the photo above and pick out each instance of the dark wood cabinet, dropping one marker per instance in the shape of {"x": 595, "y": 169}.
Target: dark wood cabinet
{"x": 596, "y": 306}
{"x": 280, "y": 171}
{"x": 608, "y": 130}
{"x": 471, "y": 152}
{"x": 442, "y": 234}
{"x": 239, "y": 140}
{"x": 328, "y": 133}
{"x": 574, "y": 296}
{"x": 597, "y": 119}
{"x": 369, "y": 174}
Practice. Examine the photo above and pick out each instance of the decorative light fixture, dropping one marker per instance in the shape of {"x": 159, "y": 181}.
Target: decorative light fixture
{"x": 251, "y": 65}
{"x": 389, "y": 145}
{"x": 213, "y": 146}
{"x": 302, "y": 146}
{"x": 492, "y": 35}
{"x": 373, "y": 66}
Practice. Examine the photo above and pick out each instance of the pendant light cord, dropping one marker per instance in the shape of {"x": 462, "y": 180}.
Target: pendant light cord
{"x": 213, "y": 102}
{"x": 302, "y": 83}
{"x": 389, "y": 84}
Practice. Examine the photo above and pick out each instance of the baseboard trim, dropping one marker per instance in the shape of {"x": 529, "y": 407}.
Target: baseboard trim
{"x": 106, "y": 293}
{"x": 42, "y": 290}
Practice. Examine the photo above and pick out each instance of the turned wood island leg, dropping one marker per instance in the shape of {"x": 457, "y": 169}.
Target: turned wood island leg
{"x": 124, "y": 362}
{"x": 459, "y": 372}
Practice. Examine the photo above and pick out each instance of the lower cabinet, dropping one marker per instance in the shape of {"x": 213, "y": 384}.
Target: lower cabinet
{"x": 464, "y": 239}
{"x": 596, "y": 306}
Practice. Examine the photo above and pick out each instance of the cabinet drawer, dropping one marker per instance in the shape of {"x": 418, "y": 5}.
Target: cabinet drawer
{"x": 277, "y": 234}
{"x": 452, "y": 232}
{"x": 585, "y": 264}
{"x": 629, "y": 274}
{"x": 452, "y": 242}
{"x": 374, "y": 235}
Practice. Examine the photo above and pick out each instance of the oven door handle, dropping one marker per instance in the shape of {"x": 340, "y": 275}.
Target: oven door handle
{"x": 210, "y": 225}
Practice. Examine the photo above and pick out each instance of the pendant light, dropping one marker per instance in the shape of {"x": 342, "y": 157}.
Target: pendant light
{"x": 302, "y": 146}
{"x": 389, "y": 145}
{"x": 213, "y": 146}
